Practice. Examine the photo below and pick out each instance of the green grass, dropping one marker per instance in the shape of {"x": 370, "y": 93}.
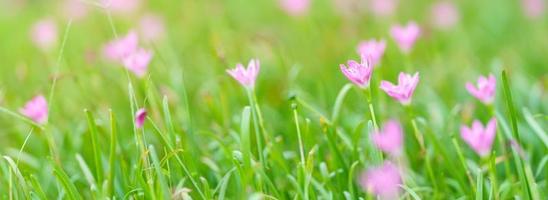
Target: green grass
{"x": 302, "y": 133}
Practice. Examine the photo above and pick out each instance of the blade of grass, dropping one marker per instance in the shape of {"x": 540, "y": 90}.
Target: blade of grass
{"x": 95, "y": 145}
{"x": 68, "y": 186}
{"x": 20, "y": 179}
{"x": 479, "y": 186}
{"x": 524, "y": 180}
{"x": 112, "y": 154}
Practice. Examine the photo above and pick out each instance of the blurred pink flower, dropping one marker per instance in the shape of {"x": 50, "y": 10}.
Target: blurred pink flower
{"x": 480, "y": 138}
{"x": 403, "y": 92}
{"x": 533, "y": 8}
{"x": 390, "y": 138}
{"x": 485, "y": 90}
{"x": 121, "y": 6}
{"x": 152, "y": 27}
{"x": 358, "y": 73}
{"x": 444, "y": 15}
{"x": 244, "y": 76}
{"x": 383, "y": 181}
{"x": 140, "y": 117}
{"x": 36, "y": 109}
{"x": 138, "y": 61}
{"x": 118, "y": 49}
{"x": 383, "y": 7}
{"x": 405, "y": 36}
{"x": 295, "y": 7}
{"x": 373, "y": 48}
{"x": 75, "y": 9}
{"x": 44, "y": 34}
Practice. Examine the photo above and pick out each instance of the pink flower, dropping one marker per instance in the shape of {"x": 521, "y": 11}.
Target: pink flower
{"x": 485, "y": 90}
{"x": 480, "y": 139}
{"x": 390, "y": 138}
{"x": 244, "y": 76}
{"x": 152, "y": 27}
{"x": 533, "y": 8}
{"x": 358, "y": 73}
{"x": 75, "y": 9}
{"x": 384, "y": 181}
{"x": 405, "y": 36}
{"x": 383, "y": 7}
{"x": 140, "y": 117}
{"x": 118, "y": 49}
{"x": 121, "y": 6}
{"x": 444, "y": 15}
{"x": 44, "y": 34}
{"x": 295, "y": 7}
{"x": 36, "y": 109}
{"x": 138, "y": 61}
{"x": 403, "y": 92}
{"x": 374, "y": 49}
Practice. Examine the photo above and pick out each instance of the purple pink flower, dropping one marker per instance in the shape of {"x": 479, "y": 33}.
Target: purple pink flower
{"x": 121, "y": 6}
{"x": 295, "y": 7}
{"x": 480, "y": 138}
{"x": 126, "y": 51}
{"x": 75, "y": 9}
{"x": 484, "y": 90}
{"x": 384, "y": 181}
{"x": 152, "y": 27}
{"x": 244, "y": 76}
{"x": 403, "y": 92}
{"x": 138, "y": 61}
{"x": 533, "y": 8}
{"x": 358, "y": 73}
{"x": 390, "y": 138}
{"x": 405, "y": 36}
{"x": 444, "y": 15}
{"x": 44, "y": 34}
{"x": 373, "y": 48}
{"x": 36, "y": 109}
{"x": 383, "y": 7}
{"x": 140, "y": 117}
{"x": 118, "y": 49}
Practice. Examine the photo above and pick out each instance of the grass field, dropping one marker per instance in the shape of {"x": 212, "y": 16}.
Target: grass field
{"x": 136, "y": 99}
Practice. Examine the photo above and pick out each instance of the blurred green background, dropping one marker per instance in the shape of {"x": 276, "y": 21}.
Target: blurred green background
{"x": 300, "y": 57}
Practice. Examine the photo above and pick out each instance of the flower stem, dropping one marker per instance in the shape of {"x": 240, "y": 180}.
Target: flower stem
{"x": 493, "y": 174}
{"x": 301, "y": 146}
{"x": 368, "y": 95}
{"x": 258, "y": 138}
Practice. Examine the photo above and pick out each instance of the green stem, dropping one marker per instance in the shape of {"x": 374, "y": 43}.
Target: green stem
{"x": 258, "y": 138}
{"x": 493, "y": 174}
{"x": 371, "y": 108}
{"x": 463, "y": 163}
{"x": 301, "y": 146}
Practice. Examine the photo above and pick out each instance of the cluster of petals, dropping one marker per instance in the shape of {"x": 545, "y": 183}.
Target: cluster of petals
{"x": 295, "y": 7}
{"x": 484, "y": 90}
{"x": 126, "y": 50}
{"x": 36, "y": 109}
{"x": 140, "y": 117}
{"x": 403, "y": 91}
{"x": 383, "y": 8}
{"x": 478, "y": 137}
{"x": 390, "y": 138}
{"x": 406, "y": 36}
{"x": 533, "y": 8}
{"x": 384, "y": 181}
{"x": 246, "y": 76}
{"x": 444, "y": 15}
{"x": 152, "y": 27}
{"x": 373, "y": 48}
{"x": 358, "y": 72}
{"x": 44, "y": 34}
